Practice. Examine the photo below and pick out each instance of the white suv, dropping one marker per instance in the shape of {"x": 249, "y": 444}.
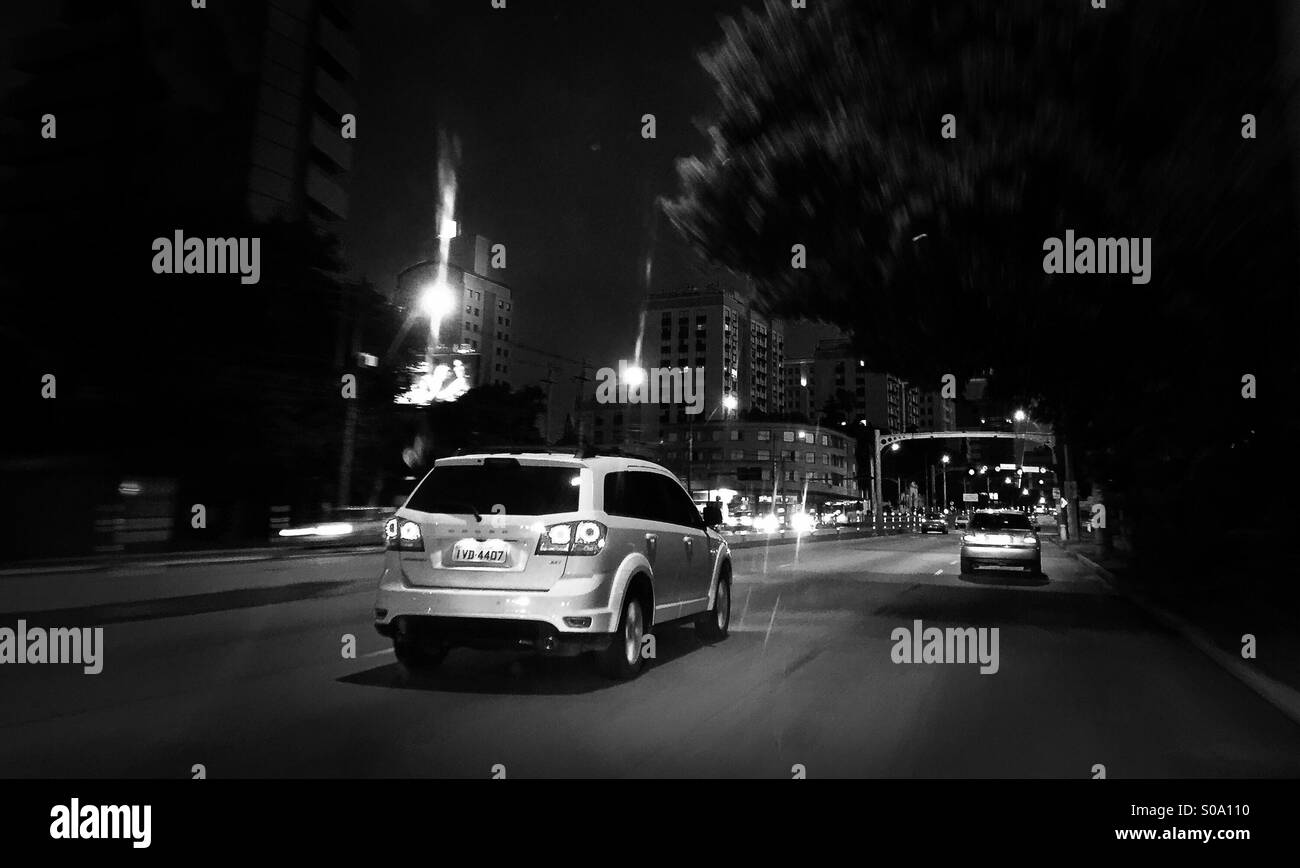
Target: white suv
{"x": 553, "y": 551}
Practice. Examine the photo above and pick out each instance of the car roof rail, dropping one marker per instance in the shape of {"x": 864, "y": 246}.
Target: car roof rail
{"x": 582, "y": 450}
{"x": 517, "y": 449}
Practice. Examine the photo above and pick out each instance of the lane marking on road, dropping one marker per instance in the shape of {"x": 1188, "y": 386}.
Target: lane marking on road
{"x": 377, "y": 653}
{"x": 768, "y": 635}
{"x": 952, "y": 563}
{"x": 746, "y": 609}
{"x": 938, "y": 572}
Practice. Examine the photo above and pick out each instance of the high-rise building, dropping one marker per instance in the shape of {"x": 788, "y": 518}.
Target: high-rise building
{"x": 201, "y": 114}
{"x": 476, "y": 330}
{"x": 300, "y": 160}
{"x": 836, "y": 381}
{"x": 713, "y": 329}
{"x": 938, "y": 413}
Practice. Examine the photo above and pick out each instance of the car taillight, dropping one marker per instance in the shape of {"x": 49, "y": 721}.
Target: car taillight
{"x": 970, "y": 538}
{"x": 572, "y": 538}
{"x": 403, "y": 535}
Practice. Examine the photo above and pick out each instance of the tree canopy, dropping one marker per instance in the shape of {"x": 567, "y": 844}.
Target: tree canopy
{"x": 929, "y": 249}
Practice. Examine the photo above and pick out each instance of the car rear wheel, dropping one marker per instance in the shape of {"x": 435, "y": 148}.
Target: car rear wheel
{"x": 714, "y": 624}
{"x": 622, "y": 659}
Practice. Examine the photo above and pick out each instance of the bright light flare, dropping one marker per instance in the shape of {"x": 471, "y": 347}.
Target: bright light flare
{"x": 437, "y": 300}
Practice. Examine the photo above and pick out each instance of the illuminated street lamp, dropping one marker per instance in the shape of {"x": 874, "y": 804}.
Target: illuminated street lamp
{"x": 1020, "y": 416}
{"x": 945, "y": 459}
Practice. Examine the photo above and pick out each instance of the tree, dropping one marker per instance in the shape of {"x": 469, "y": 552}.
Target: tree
{"x": 930, "y": 250}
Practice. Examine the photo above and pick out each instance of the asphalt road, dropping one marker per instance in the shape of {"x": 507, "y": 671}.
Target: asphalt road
{"x": 244, "y": 675}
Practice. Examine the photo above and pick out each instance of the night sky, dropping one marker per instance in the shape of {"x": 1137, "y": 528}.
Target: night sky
{"x": 546, "y": 98}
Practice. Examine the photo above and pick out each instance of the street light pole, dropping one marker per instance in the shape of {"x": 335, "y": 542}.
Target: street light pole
{"x": 944, "y": 462}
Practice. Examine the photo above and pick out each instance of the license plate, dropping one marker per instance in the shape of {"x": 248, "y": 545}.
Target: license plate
{"x": 483, "y": 554}
{"x": 1000, "y": 539}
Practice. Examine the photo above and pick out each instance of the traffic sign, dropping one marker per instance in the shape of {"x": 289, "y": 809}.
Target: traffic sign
{"x": 970, "y": 498}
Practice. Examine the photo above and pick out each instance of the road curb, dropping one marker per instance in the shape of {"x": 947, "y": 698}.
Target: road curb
{"x": 1283, "y": 697}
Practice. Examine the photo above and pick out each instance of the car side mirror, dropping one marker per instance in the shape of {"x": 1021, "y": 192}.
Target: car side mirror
{"x": 712, "y": 515}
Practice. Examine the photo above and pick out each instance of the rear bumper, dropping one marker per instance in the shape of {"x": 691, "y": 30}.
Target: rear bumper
{"x": 574, "y": 611}
{"x": 490, "y": 633}
{"x": 1010, "y": 556}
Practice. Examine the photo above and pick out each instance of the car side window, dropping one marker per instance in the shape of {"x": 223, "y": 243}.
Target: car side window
{"x": 680, "y": 506}
{"x": 635, "y": 495}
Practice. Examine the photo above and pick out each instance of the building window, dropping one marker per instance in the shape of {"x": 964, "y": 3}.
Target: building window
{"x": 810, "y": 457}
{"x": 735, "y": 434}
{"x": 737, "y": 455}
{"x": 764, "y": 455}
{"x": 787, "y": 436}
{"x": 764, "y": 435}
{"x": 826, "y": 441}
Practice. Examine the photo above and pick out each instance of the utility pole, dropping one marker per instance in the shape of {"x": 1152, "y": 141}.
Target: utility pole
{"x": 1071, "y": 497}
{"x": 690, "y": 451}
{"x": 581, "y": 380}
{"x": 343, "y": 495}
{"x": 550, "y": 383}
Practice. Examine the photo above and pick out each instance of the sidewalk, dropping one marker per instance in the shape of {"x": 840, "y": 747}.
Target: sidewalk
{"x": 1213, "y": 608}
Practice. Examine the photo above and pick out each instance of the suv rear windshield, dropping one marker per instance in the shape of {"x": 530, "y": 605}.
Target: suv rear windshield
{"x": 999, "y": 521}
{"x": 522, "y": 489}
